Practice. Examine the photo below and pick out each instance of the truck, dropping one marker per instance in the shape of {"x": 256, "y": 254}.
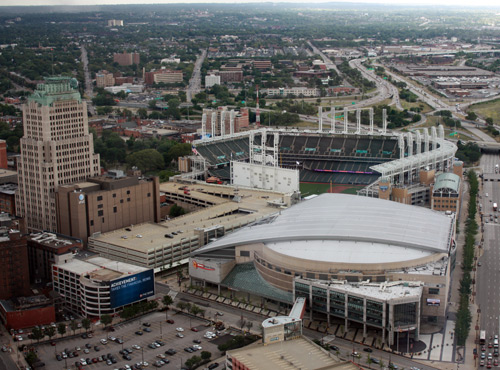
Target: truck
{"x": 495, "y": 207}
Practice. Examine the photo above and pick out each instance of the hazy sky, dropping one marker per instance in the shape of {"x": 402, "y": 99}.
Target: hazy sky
{"x": 94, "y": 2}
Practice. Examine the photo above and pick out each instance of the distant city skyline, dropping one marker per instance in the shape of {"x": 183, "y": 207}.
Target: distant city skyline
{"x": 465, "y": 3}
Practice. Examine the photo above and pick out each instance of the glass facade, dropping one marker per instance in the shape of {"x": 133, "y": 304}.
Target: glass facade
{"x": 319, "y": 299}
{"x": 337, "y": 304}
{"x": 405, "y": 314}
{"x": 355, "y": 307}
{"x": 374, "y": 313}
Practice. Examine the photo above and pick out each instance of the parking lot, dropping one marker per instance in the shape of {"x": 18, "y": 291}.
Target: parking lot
{"x": 158, "y": 330}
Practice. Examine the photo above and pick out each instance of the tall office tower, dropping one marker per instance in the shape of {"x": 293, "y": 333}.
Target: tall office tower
{"x": 56, "y": 149}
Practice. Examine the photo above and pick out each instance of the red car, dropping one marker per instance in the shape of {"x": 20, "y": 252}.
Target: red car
{"x": 488, "y": 365}
{"x": 495, "y": 362}
{"x": 170, "y": 321}
{"x": 490, "y": 345}
{"x": 194, "y": 329}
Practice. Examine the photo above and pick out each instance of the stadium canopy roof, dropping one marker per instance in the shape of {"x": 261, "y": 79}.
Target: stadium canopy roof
{"x": 342, "y": 220}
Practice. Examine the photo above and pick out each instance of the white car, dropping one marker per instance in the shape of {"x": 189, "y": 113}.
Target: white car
{"x": 179, "y": 335}
{"x": 179, "y": 329}
{"x": 111, "y": 338}
{"x": 104, "y": 341}
{"x": 136, "y": 346}
{"x": 197, "y": 346}
{"x": 83, "y": 361}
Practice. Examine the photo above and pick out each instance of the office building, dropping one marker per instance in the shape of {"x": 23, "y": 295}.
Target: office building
{"x": 56, "y": 149}
{"x": 105, "y": 203}
{"x": 163, "y": 75}
{"x": 95, "y": 286}
{"x": 14, "y": 274}
{"x": 47, "y": 249}
{"x": 104, "y": 79}
{"x": 211, "y": 80}
{"x": 127, "y": 59}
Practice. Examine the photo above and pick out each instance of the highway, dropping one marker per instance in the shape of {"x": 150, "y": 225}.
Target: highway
{"x": 488, "y": 273}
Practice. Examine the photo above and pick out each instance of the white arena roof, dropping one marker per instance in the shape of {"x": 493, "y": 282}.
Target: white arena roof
{"x": 348, "y": 228}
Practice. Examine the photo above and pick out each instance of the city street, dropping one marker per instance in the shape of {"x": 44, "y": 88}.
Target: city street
{"x": 488, "y": 273}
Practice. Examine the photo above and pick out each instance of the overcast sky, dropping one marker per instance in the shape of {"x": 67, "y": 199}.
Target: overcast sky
{"x": 469, "y": 3}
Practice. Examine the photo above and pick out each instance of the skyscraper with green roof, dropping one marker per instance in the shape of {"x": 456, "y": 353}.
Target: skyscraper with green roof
{"x": 56, "y": 149}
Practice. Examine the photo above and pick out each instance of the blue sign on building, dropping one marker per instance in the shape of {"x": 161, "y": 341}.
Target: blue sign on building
{"x": 132, "y": 288}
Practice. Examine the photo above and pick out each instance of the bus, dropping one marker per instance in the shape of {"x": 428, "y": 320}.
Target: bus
{"x": 482, "y": 337}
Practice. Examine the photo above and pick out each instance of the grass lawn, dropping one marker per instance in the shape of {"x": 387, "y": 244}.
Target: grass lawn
{"x": 488, "y": 109}
{"x": 426, "y": 108}
{"x": 318, "y": 188}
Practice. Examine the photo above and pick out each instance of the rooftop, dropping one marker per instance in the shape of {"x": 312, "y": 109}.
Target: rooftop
{"x": 100, "y": 268}
{"x": 382, "y": 291}
{"x": 297, "y": 354}
{"x": 220, "y": 210}
{"x": 447, "y": 181}
{"x": 374, "y": 231}
{"x": 54, "y": 240}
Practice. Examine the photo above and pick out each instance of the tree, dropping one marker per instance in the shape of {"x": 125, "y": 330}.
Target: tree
{"x": 241, "y": 322}
{"x": 471, "y": 116}
{"x": 167, "y": 300}
{"x": 489, "y": 120}
{"x": 205, "y": 355}
{"x": 146, "y": 160}
{"x": 61, "y": 328}
{"x": 31, "y": 358}
{"x": 86, "y": 324}
{"x": 37, "y": 333}
{"x": 142, "y": 112}
{"x": 181, "y": 306}
{"x": 106, "y": 320}
{"x": 249, "y": 325}
{"x": 73, "y": 325}
{"x": 50, "y": 331}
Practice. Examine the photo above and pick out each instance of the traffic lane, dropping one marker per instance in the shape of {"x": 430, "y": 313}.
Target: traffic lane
{"x": 6, "y": 361}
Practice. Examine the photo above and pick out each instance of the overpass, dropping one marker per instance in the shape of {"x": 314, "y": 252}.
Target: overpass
{"x": 488, "y": 146}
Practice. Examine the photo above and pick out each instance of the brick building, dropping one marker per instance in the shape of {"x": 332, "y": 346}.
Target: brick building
{"x": 167, "y": 76}
{"x": 14, "y": 275}
{"x": 127, "y": 59}
{"x": 3, "y": 154}
{"x": 47, "y": 249}
{"x": 106, "y": 203}
{"x": 104, "y": 79}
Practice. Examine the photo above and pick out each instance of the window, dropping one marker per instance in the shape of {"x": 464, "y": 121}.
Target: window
{"x": 121, "y": 200}
{"x": 114, "y": 195}
{"x": 99, "y": 198}
{"x": 149, "y": 195}
{"x": 100, "y": 206}
{"x": 244, "y": 253}
{"x": 128, "y": 199}
{"x": 128, "y": 192}
{"x": 100, "y": 213}
{"x": 115, "y": 209}
{"x": 433, "y": 290}
{"x": 91, "y": 222}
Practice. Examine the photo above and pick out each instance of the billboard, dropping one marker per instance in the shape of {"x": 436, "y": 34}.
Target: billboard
{"x": 132, "y": 288}
{"x": 433, "y": 302}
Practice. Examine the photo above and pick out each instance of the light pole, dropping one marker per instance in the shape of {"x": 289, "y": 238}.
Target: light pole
{"x": 161, "y": 333}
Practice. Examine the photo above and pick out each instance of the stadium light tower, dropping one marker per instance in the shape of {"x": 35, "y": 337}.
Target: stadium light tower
{"x": 320, "y": 115}
{"x": 332, "y": 110}
{"x": 257, "y": 110}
